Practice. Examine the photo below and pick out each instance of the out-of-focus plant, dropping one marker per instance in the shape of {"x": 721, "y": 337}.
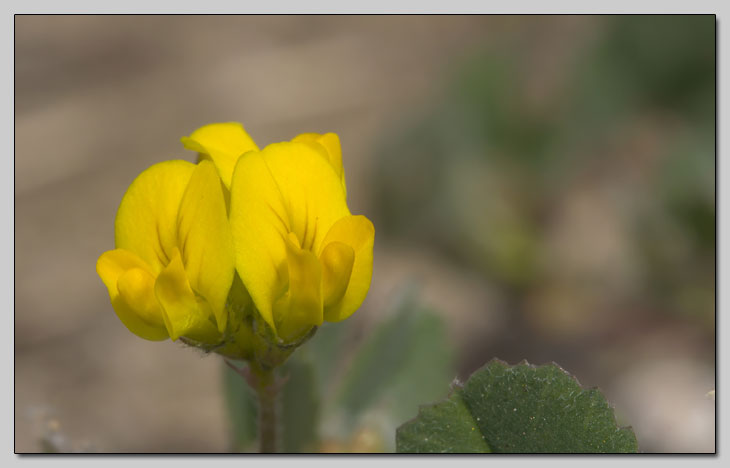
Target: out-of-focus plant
{"x": 248, "y": 252}
{"x": 587, "y": 186}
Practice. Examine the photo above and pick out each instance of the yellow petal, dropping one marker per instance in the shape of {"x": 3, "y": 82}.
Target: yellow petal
{"x": 136, "y": 286}
{"x": 287, "y": 187}
{"x": 129, "y": 282}
{"x": 131, "y": 319}
{"x": 330, "y": 144}
{"x": 259, "y": 224}
{"x": 113, "y": 263}
{"x": 146, "y": 219}
{"x": 183, "y": 313}
{"x": 223, "y": 143}
{"x": 311, "y": 193}
{"x": 205, "y": 239}
{"x": 302, "y": 306}
{"x": 337, "y": 260}
{"x": 358, "y": 233}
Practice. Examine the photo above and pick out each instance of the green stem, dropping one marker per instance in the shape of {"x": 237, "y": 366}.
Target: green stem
{"x": 267, "y": 390}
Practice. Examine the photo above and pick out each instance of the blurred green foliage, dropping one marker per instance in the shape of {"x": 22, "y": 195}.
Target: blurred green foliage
{"x": 587, "y": 168}
{"x": 343, "y": 398}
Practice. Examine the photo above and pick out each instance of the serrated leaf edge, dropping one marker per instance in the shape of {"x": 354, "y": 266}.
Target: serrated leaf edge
{"x": 455, "y": 386}
{"x": 458, "y": 386}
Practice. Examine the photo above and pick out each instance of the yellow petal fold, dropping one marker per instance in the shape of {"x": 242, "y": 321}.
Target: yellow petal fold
{"x": 113, "y": 263}
{"x": 146, "y": 221}
{"x": 337, "y": 261}
{"x": 358, "y": 233}
{"x": 223, "y": 143}
{"x": 136, "y": 286}
{"x": 205, "y": 239}
{"x": 129, "y": 282}
{"x": 287, "y": 187}
{"x": 301, "y": 308}
{"x": 310, "y": 190}
{"x": 329, "y": 144}
{"x": 184, "y": 314}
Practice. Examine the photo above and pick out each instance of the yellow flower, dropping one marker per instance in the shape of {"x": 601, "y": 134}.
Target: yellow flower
{"x": 244, "y": 253}
{"x": 301, "y": 255}
{"x": 221, "y": 143}
{"x": 173, "y": 267}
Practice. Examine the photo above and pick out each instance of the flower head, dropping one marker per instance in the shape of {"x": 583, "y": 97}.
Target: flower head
{"x": 244, "y": 253}
{"x": 300, "y": 253}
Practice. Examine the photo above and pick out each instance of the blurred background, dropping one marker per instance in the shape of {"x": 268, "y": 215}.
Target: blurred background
{"x": 542, "y": 187}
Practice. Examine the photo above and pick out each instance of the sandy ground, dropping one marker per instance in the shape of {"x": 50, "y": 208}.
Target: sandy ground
{"x": 98, "y": 99}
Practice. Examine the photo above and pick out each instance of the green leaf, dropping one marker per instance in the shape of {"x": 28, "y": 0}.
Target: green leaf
{"x": 324, "y": 351}
{"x": 446, "y": 427}
{"x": 404, "y": 358}
{"x": 518, "y": 409}
{"x": 426, "y": 369}
{"x": 299, "y": 407}
{"x": 242, "y": 409}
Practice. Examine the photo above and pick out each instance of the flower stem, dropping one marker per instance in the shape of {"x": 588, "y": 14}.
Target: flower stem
{"x": 267, "y": 391}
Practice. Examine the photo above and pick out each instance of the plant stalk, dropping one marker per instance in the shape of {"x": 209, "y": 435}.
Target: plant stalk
{"x": 267, "y": 391}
